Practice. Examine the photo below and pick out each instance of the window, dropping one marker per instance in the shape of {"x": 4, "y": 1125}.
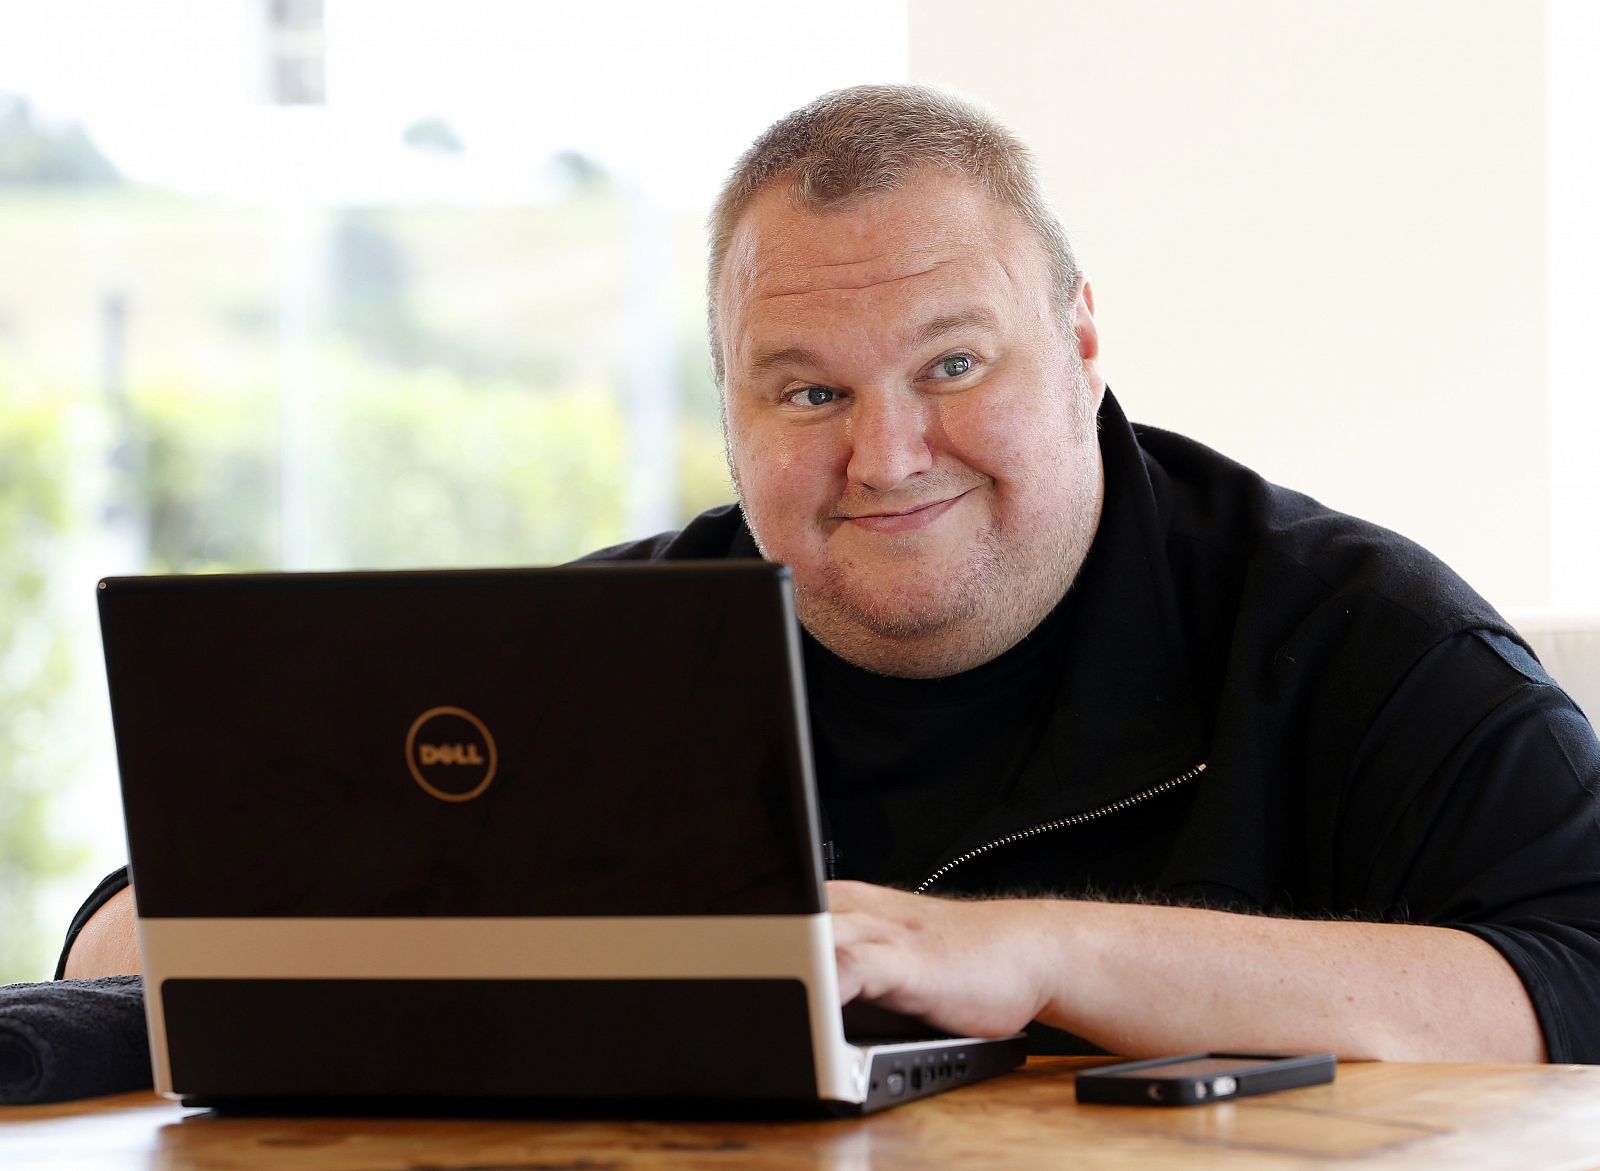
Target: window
{"x": 303, "y": 284}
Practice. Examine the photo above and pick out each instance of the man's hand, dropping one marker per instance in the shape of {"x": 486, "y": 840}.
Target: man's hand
{"x": 108, "y": 945}
{"x": 1143, "y": 981}
{"x": 965, "y": 967}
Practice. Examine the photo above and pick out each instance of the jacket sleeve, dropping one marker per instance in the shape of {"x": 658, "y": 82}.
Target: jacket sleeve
{"x": 1474, "y": 803}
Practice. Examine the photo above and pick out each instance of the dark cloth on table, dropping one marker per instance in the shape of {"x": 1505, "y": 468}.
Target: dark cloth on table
{"x": 72, "y": 1039}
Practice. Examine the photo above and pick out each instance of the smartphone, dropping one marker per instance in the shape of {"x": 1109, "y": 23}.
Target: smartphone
{"x": 1201, "y": 1077}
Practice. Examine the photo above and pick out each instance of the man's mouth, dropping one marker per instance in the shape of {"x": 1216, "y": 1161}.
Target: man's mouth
{"x": 907, "y": 520}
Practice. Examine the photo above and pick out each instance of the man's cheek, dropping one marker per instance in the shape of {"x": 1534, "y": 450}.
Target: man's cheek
{"x": 768, "y": 455}
{"x": 998, "y": 449}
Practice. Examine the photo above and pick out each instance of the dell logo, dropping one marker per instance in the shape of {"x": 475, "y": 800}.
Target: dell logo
{"x": 448, "y": 754}
{"x": 451, "y": 754}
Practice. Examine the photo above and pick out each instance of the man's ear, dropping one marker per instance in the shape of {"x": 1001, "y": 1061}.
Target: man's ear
{"x": 1088, "y": 336}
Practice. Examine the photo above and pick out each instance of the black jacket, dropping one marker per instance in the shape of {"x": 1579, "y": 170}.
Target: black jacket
{"x": 1376, "y": 741}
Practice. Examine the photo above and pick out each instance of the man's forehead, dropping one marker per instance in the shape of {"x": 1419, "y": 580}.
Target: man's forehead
{"x": 779, "y": 248}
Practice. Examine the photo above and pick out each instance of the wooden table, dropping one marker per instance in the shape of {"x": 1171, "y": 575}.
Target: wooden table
{"x": 1373, "y": 1115}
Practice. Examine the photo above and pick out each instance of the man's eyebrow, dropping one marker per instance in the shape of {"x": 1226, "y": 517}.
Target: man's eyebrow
{"x": 788, "y": 356}
{"x": 940, "y": 327}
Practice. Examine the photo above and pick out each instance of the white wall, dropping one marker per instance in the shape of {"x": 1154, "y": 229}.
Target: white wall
{"x": 1317, "y": 236}
{"x": 1572, "y": 47}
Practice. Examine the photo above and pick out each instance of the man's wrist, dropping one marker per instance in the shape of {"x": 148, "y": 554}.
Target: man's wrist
{"x": 1067, "y": 948}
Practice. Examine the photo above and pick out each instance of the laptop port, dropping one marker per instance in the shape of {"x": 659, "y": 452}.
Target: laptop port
{"x": 897, "y": 1084}
{"x": 916, "y": 1078}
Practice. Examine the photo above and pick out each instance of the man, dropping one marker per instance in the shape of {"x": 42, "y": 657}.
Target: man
{"x": 1230, "y": 770}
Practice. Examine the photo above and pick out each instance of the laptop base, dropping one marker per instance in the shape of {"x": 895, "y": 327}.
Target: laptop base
{"x": 897, "y": 1077}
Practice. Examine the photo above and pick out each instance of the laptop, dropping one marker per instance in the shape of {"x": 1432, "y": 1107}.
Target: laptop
{"x": 516, "y": 836}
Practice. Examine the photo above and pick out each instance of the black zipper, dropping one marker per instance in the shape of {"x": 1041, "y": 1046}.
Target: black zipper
{"x": 1061, "y": 823}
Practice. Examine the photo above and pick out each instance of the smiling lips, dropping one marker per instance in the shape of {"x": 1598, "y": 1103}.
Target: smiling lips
{"x": 908, "y": 521}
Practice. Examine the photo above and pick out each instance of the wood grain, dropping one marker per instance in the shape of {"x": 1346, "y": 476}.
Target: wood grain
{"x": 1372, "y": 1116}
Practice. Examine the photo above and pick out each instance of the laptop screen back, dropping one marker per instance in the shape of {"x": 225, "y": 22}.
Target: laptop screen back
{"x": 588, "y": 741}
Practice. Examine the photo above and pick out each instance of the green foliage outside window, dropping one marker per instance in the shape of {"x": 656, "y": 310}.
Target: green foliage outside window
{"x": 34, "y": 675}
{"x": 405, "y": 470}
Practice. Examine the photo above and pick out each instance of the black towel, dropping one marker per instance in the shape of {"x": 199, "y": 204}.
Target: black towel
{"x": 72, "y": 1039}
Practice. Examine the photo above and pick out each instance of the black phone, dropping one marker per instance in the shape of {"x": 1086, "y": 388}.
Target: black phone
{"x": 1201, "y": 1077}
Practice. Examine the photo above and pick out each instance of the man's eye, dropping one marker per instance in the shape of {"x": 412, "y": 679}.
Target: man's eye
{"x": 953, "y": 367}
{"x": 813, "y": 396}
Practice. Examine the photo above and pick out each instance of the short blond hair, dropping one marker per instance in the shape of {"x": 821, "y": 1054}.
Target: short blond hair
{"x": 869, "y": 139}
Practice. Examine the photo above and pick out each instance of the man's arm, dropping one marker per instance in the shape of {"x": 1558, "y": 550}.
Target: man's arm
{"x": 108, "y": 944}
{"x": 1144, "y": 981}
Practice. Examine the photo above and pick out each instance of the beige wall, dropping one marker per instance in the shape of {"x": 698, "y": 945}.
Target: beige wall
{"x": 1316, "y": 234}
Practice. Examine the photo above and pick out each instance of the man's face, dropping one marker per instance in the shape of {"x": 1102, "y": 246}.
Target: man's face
{"x": 910, "y": 425}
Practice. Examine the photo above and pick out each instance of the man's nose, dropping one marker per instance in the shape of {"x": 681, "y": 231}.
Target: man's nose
{"x": 889, "y": 439}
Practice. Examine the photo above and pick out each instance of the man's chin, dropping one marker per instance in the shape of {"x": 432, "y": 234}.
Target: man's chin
{"x": 919, "y": 599}
{"x": 892, "y": 625}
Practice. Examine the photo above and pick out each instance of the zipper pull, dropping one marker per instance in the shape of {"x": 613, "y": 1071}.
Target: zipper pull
{"x": 830, "y": 859}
